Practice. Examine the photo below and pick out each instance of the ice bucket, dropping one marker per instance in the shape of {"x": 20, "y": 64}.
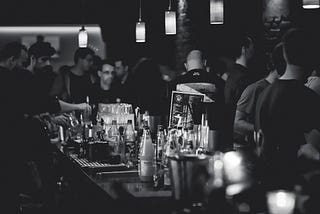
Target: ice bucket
{"x": 188, "y": 176}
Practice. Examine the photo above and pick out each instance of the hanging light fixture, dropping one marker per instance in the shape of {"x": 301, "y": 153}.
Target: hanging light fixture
{"x": 83, "y": 38}
{"x": 216, "y": 12}
{"x": 140, "y": 28}
{"x": 83, "y": 35}
{"x": 170, "y": 21}
{"x": 311, "y": 4}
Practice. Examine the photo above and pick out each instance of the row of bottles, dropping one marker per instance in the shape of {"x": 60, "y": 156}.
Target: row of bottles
{"x": 154, "y": 162}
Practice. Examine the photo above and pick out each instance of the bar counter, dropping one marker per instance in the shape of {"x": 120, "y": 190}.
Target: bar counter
{"x": 102, "y": 188}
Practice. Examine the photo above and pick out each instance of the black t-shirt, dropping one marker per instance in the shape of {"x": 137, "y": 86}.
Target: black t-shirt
{"x": 240, "y": 77}
{"x": 124, "y": 89}
{"x": 249, "y": 97}
{"x": 99, "y": 95}
{"x": 247, "y": 104}
{"x": 204, "y": 82}
{"x": 80, "y": 87}
{"x": 20, "y": 93}
{"x": 285, "y": 111}
{"x": 211, "y": 85}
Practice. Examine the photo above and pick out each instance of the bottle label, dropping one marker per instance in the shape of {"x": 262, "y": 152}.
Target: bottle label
{"x": 167, "y": 180}
{"x": 146, "y": 168}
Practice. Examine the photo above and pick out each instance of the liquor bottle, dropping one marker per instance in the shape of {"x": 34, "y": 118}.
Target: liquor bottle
{"x": 204, "y": 135}
{"x": 130, "y": 141}
{"x": 138, "y": 117}
{"x": 113, "y": 135}
{"x": 62, "y": 141}
{"x": 146, "y": 165}
{"x": 171, "y": 148}
{"x": 188, "y": 138}
{"x": 86, "y": 116}
{"x": 191, "y": 143}
{"x": 86, "y": 141}
{"x": 122, "y": 145}
{"x": 129, "y": 132}
{"x": 160, "y": 143}
{"x": 99, "y": 131}
{"x": 146, "y": 117}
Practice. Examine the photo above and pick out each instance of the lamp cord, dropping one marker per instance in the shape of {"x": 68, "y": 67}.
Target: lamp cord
{"x": 169, "y": 5}
{"x": 140, "y": 11}
{"x": 82, "y": 12}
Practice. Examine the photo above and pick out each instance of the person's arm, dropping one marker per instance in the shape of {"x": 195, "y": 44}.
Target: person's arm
{"x": 245, "y": 105}
{"x": 67, "y": 107}
{"x": 241, "y": 125}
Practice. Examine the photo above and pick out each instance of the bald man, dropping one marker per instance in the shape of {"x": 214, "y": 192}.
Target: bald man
{"x": 195, "y": 60}
{"x": 196, "y": 79}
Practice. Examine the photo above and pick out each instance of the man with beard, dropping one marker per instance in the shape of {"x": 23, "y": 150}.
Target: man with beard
{"x": 20, "y": 100}
{"x": 40, "y": 54}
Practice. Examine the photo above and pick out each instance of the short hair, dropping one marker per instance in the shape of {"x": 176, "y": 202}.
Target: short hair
{"x": 40, "y": 49}
{"x": 299, "y": 48}
{"x": 106, "y": 62}
{"x": 278, "y": 60}
{"x": 12, "y": 49}
{"x": 97, "y": 61}
{"x": 82, "y": 53}
{"x": 124, "y": 60}
{"x": 244, "y": 41}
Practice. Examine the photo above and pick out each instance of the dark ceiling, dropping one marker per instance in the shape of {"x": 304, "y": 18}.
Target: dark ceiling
{"x": 117, "y": 19}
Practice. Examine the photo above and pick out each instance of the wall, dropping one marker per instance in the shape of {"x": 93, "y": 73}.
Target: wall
{"x": 65, "y": 39}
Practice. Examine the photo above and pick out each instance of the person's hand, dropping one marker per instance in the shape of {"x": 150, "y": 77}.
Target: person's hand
{"x": 309, "y": 151}
{"x": 61, "y": 120}
{"x": 85, "y": 108}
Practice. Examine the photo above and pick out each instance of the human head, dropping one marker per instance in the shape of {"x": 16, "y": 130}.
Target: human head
{"x": 40, "y": 54}
{"x": 13, "y": 55}
{"x": 195, "y": 60}
{"x": 246, "y": 48}
{"x": 106, "y": 72}
{"x": 277, "y": 59}
{"x": 121, "y": 67}
{"x": 83, "y": 58}
{"x": 299, "y": 49}
{"x": 96, "y": 65}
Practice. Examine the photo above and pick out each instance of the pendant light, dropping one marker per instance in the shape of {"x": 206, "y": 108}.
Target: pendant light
{"x": 170, "y": 21}
{"x": 83, "y": 35}
{"x": 83, "y": 38}
{"x": 311, "y": 4}
{"x": 216, "y": 12}
{"x": 140, "y": 28}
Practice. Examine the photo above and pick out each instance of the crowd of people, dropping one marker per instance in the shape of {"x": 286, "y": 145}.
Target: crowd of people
{"x": 276, "y": 116}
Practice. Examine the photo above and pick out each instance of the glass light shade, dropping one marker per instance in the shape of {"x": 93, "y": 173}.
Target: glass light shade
{"x": 311, "y": 4}
{"x": 83, "y": 38}
{"x": 170, "y": 22}
{"x": 140, "y": 32}
{"x": 281, "y": 202}
{"x": 216, "y": 12}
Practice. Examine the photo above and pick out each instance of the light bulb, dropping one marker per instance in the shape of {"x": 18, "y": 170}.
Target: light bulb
{"x": 83, "y": 38}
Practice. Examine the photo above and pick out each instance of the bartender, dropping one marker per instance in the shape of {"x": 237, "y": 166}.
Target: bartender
{"x": 17, "y": 101}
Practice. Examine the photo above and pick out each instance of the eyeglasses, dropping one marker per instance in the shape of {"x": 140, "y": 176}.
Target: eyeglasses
{"x": 45, "y": 58}
{"x": 107, "y": 72}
